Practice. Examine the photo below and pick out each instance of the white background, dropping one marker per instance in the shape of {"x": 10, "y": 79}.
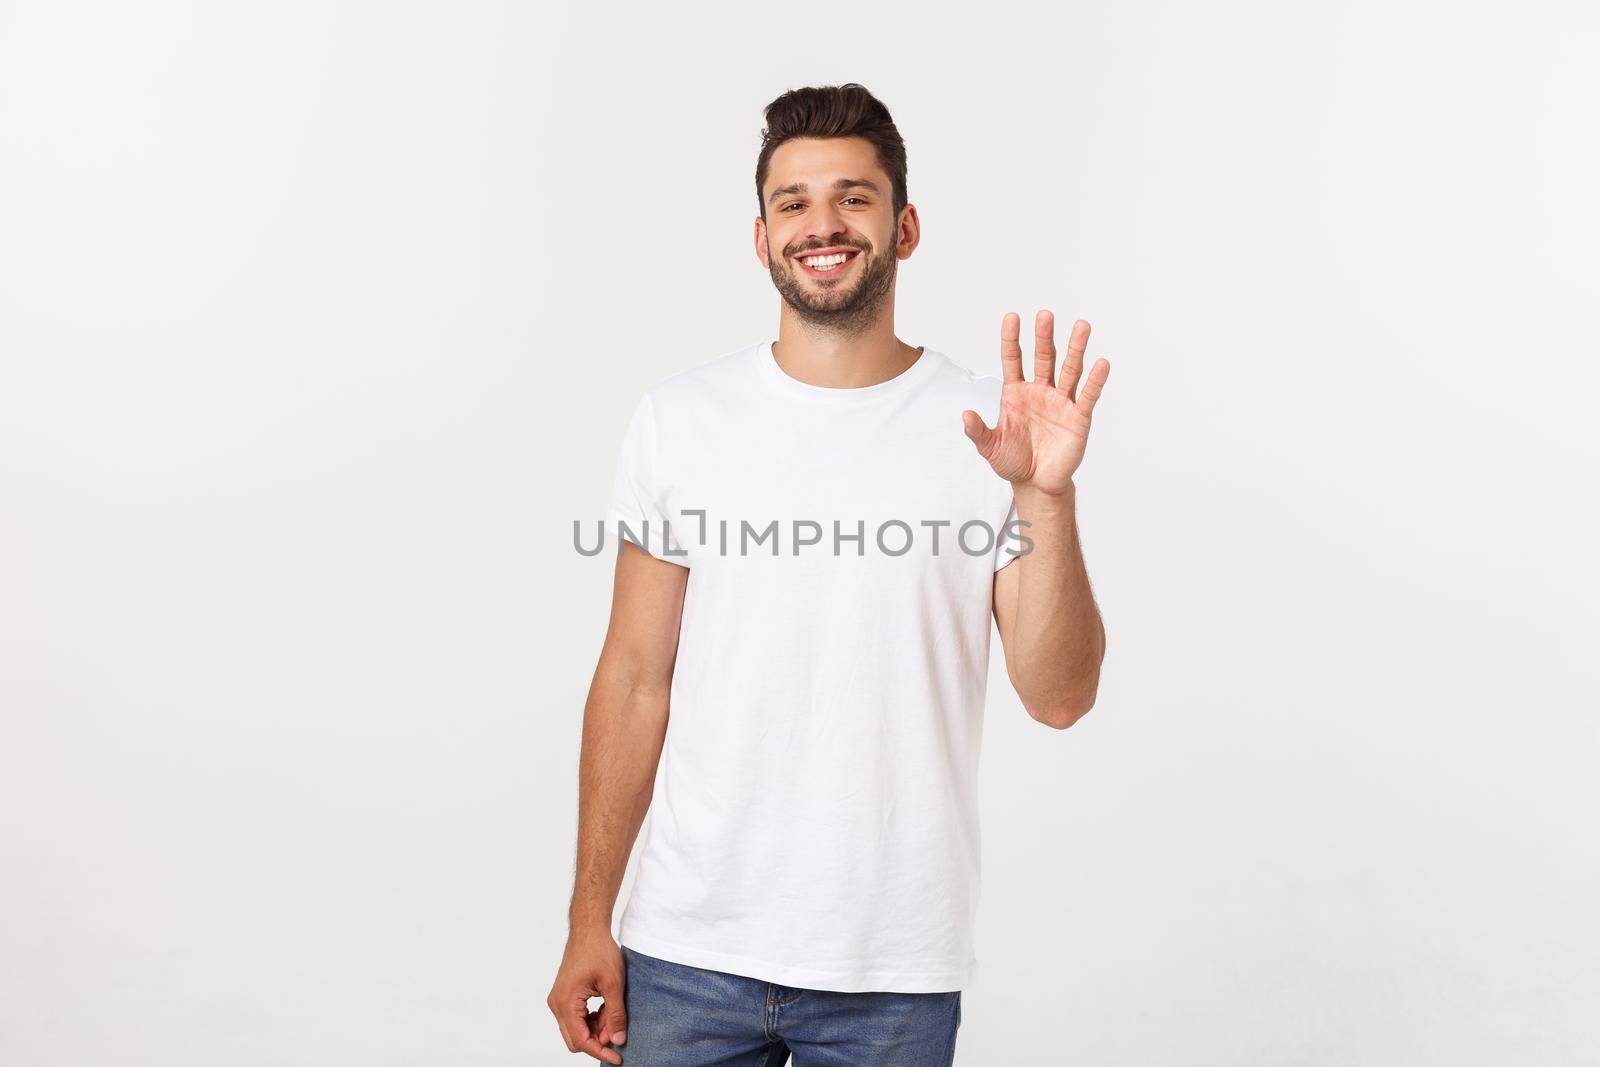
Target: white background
{"x": 321, "y": 322}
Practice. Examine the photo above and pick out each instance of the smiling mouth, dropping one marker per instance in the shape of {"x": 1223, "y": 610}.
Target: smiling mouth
{"x": 824, "y": 265}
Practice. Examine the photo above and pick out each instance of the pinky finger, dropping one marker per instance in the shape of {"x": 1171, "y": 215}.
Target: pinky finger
{"x": 1090, "y": 393}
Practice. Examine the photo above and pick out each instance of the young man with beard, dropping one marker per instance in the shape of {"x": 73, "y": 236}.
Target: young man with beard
{"x": 809, "y": 880}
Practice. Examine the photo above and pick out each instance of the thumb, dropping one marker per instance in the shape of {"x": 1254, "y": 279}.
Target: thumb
{"x": 978, "y": 431}
{"x": 614, "y": 1015}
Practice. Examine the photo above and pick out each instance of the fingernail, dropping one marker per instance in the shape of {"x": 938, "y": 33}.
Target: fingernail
{"x": 620, "y": 1037}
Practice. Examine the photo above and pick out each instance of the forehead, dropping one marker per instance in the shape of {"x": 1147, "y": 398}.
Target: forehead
{"x": 819, "y": 161}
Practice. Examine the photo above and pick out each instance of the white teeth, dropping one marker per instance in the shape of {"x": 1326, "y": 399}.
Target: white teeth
{"x": 825, "y": 262}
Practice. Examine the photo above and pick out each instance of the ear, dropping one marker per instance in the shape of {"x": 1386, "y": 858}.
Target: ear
{"x": 908, "y": 232}
{"x": 761, "y": 240}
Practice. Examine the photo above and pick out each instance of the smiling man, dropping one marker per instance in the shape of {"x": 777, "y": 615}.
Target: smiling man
{"x": 801, "y": 716}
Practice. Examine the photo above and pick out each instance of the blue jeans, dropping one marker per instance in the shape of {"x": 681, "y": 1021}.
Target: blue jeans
{"x": 681, "y": 1016}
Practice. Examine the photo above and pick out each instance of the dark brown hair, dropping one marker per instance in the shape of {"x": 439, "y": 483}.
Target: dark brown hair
{"x": 834, "y": 111}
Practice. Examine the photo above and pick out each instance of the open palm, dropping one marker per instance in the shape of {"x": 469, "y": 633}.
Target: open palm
{"x": 1043, "y": 427}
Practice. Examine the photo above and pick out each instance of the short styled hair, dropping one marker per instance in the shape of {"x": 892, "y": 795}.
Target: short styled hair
{"x": 847, "y": 110}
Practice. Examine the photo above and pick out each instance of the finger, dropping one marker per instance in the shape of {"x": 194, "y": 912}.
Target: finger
{"x": 1093, "y": 385}
{"x": 1077, "y": 344}
{"x": 597, "y": 1027}
{"x": 580, "y": 1038}
{"x": 1010, "y": 349}
{"x": 575, "y": 1024}
{"x": 561, "y": 1024}
{"x": 614, "y": 1025}
{"x": 593, "y": 1047}
{"x": 978, "y": 431}
{"x": 1044, "y": 348}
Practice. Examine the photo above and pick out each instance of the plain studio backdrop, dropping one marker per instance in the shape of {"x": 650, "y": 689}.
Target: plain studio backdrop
{"x": 321, "y": 324}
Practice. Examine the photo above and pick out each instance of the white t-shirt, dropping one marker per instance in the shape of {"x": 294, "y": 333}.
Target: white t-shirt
{"x": 814, "y": 820}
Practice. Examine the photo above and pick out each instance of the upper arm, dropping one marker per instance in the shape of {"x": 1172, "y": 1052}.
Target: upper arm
{"x": 641, "y": 643}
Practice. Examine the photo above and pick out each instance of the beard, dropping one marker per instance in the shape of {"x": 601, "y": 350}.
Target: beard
{"x": 840, "y": 308}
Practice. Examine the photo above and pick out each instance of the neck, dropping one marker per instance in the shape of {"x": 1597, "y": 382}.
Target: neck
{"x": 841, "y": 361}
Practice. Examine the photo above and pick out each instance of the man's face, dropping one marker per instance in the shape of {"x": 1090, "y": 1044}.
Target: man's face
{"x": 828, "y": 196}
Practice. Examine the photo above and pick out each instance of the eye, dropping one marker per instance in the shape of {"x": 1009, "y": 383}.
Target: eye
{"x": 790, "y": 204}
{"x": 855, "y": 198}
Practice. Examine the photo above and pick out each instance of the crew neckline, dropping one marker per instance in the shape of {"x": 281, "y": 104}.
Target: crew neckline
{"x": 770, "y": 370}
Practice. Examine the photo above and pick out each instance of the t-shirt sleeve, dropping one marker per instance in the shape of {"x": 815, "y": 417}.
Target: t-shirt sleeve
{"x": 635, "y": 513}
{"x": 1008, "y": 543}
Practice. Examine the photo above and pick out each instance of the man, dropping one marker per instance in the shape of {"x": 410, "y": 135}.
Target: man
{"x": 812, "y": 560}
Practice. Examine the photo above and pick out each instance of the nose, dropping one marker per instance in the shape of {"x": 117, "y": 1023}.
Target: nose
{"x": 825, "y": 223}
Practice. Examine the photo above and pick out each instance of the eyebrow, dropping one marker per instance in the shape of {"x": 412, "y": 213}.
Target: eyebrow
{"x": 840, "y": 185}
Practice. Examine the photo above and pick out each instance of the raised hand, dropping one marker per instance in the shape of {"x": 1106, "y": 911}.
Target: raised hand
{"x": 1043, "y": 428}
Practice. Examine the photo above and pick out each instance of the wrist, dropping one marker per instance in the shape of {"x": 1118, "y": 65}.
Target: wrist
{"x": 581, "y": 938}
{"x": 1032, "y": 498}
{"x": 582, "y": 925}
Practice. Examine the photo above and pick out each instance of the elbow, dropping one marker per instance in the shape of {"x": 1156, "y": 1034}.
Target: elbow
{"x": 1061, "y": 714}
{"x": 1061, "y": 710}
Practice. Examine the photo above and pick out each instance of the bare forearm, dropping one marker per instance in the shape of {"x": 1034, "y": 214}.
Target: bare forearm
{"x": 624, "y": 723}
{"x": 1057, "y": 637}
